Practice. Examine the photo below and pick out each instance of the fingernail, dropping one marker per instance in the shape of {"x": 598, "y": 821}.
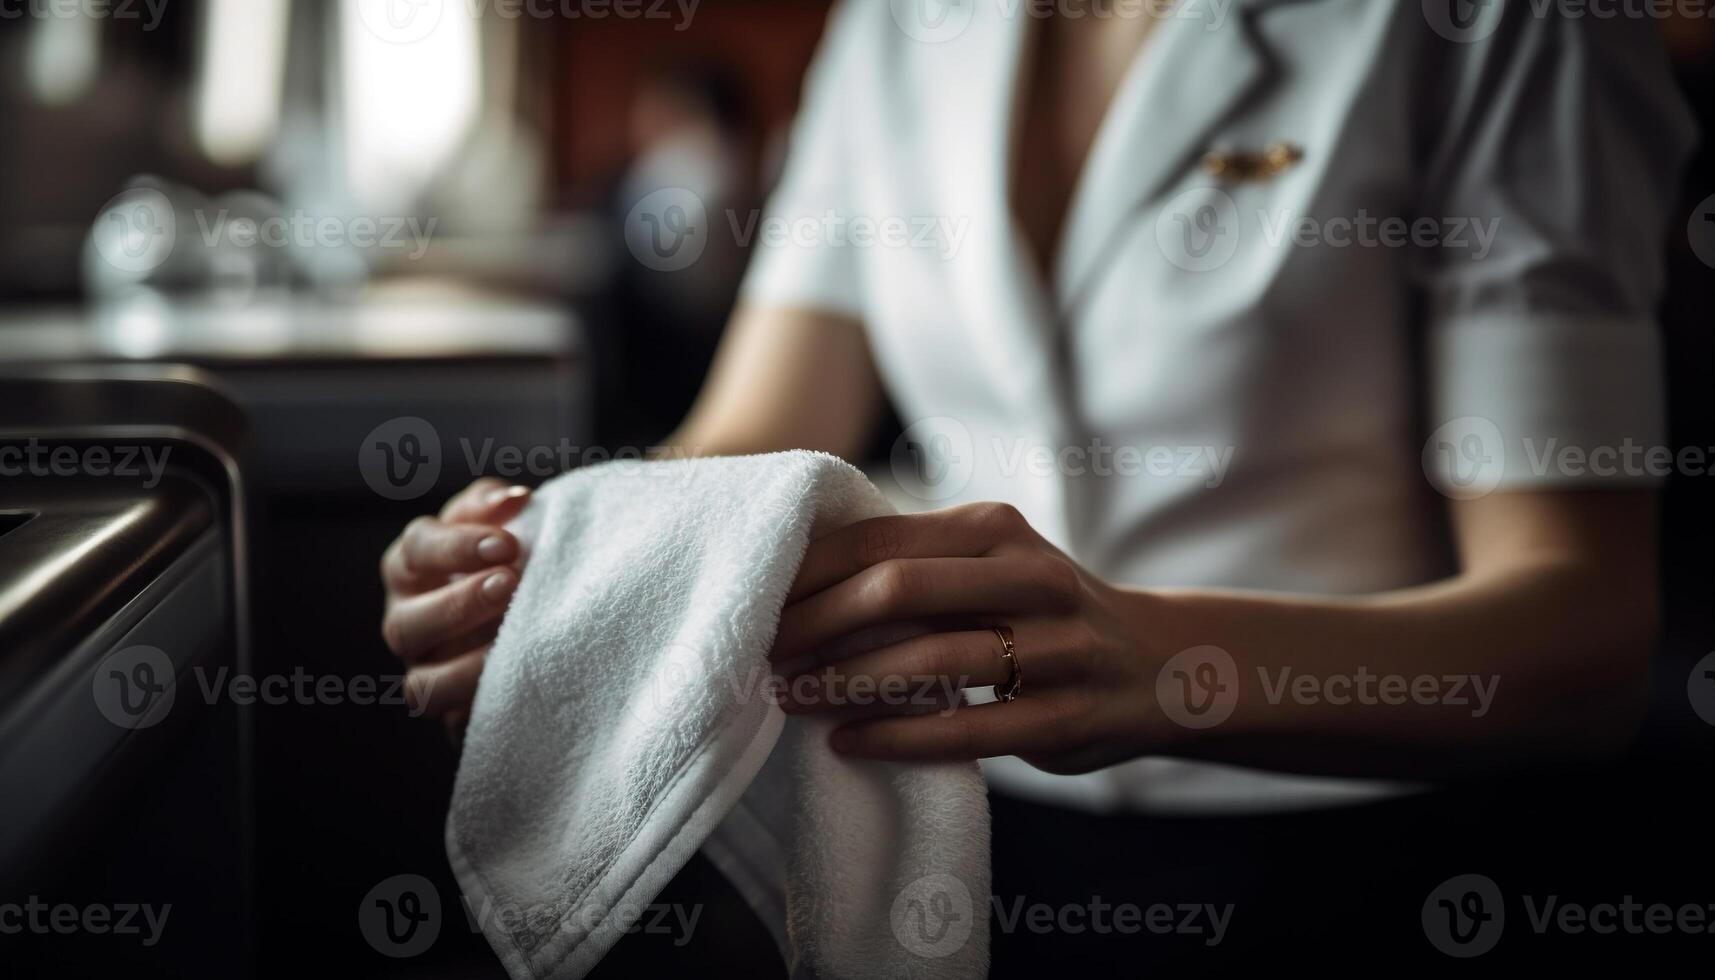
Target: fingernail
{"x": 504, "y": 494}
{"x": 498, "y": 586}
{"x": 494, "y": 549}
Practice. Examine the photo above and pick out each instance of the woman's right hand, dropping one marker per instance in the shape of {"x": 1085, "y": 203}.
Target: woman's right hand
{"x": 448, "y": 581}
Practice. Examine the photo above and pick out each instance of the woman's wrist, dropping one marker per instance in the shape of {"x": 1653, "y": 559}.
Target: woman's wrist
{"x": 1199, "y": 682}
{"x": 1159, "y": 629}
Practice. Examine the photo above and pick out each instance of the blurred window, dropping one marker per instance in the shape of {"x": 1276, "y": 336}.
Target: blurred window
{"x": 63, "y": 56}
{"x": 410, "y": 91}
{"x": 240, "y": 75}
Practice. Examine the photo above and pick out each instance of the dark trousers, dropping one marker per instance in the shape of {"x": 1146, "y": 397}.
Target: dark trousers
{"x": 1328, "y": 893}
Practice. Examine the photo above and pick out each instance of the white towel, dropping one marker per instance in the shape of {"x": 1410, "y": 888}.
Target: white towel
{"x": 624, "y": 720}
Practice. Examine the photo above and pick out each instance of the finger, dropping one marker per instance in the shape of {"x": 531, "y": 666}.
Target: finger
{"x": 1026, "y": 726}
{"x": 958, "y": 532}
{"x": 418, "y": 624}
{"x": 916, "y": 588}
{"x": 919, "y": 696}
{"x": 440, "y": 690}
{"x": 899, "y": 674}
{"x": 464, "y": 643}
{"x": 487, "y": 501}
{"x": 431, "y": 551}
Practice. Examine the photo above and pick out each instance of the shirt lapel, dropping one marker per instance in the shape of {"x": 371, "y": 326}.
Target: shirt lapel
{"x": 1189, "y": 77}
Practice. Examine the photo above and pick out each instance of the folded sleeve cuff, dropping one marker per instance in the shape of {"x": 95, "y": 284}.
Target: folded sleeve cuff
{"x": 1527, "y": 400}
{"x": 792, "y": 270}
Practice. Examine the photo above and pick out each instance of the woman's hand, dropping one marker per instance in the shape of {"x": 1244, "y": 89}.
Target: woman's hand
{"x": 1556, "y": 598}
{"x": 1087, "y": 686}
{"x": 448, "y": 581}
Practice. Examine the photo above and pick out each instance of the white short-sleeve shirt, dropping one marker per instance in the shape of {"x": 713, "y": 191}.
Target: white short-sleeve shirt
{"x": 1254, "y": 382}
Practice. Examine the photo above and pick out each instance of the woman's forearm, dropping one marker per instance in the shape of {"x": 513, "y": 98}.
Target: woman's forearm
{"x": 784, "y": 379}
{"x": 1538, "y": 659}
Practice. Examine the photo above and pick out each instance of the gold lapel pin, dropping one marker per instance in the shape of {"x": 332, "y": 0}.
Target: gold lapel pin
{"x": 1242, "y": 166}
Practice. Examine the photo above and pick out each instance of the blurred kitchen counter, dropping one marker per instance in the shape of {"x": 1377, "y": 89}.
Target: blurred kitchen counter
{"x": 318, "y": 378}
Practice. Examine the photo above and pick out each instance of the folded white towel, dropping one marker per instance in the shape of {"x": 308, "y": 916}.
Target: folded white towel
{"x": 625, "y": 719}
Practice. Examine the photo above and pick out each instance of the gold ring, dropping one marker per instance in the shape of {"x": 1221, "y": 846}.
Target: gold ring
{"x": 1015, "y": 676}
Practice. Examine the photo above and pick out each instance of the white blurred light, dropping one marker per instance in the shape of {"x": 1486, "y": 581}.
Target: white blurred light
{"x": 240, "y": 78}
{"x": 411, "y": 94}
{"x": 62, "y": 57}
{"x": 136, "y": 326}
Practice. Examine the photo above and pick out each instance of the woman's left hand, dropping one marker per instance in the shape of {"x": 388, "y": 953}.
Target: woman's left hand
{"x": 1088, "y": 686}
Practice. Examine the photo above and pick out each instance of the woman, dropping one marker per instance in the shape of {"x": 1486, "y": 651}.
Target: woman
{"x": 1328, "y": 256}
